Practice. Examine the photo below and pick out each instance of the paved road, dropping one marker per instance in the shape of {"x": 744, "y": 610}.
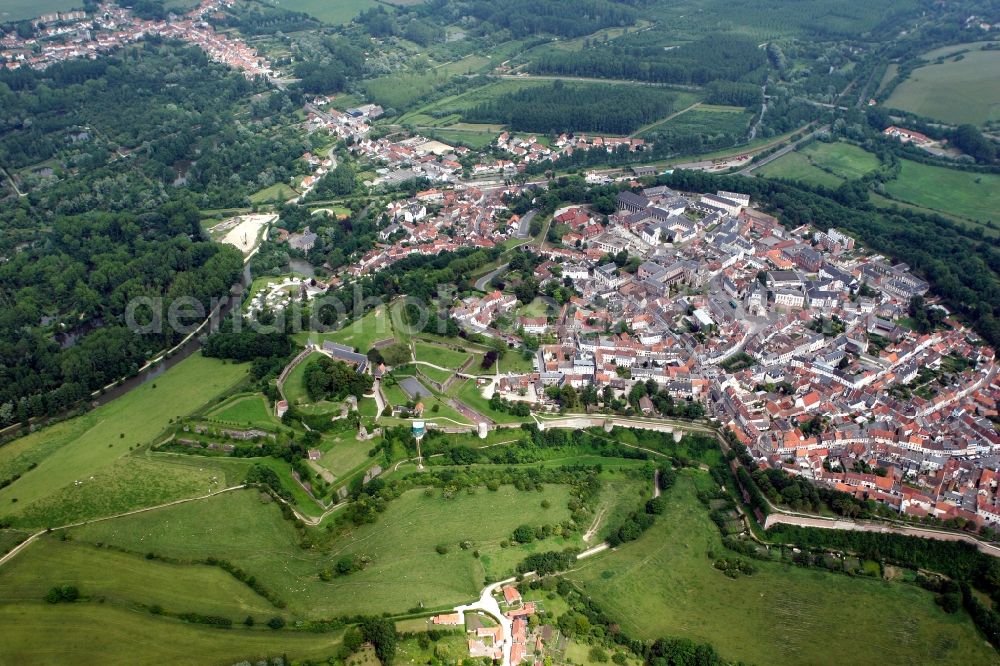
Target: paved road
{"x": 775, "y": 518}
{"x": 523, "y": 230}
{"x": 489, "y": 605}
{"x": 482, "y": 282}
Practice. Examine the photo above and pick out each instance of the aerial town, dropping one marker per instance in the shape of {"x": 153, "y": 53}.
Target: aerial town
{"x": 798, "y": 340}
{"x": 70, "y": 35}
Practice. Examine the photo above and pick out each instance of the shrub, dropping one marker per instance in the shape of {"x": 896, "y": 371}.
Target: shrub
{"x": 276, "y": 622}
{"x": 66, "y": 593}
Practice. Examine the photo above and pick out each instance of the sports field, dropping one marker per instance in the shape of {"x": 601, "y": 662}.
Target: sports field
{"x": 827, "y": 164}
{"x": 82, "y": 465}
{"x": 965, "y": 88}
{"x": 664, "y": 584}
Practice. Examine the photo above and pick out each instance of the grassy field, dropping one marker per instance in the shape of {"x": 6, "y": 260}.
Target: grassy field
{"x": 974, "y": 196}
{"x": 402, "y": 90}
{"x": 827, "y": 164}
{"x": 360, "y": 334}
{"x": 294, "y": 387}
{"x": 17, "y": 10}
{"x": 963, "y": 89}
{"x": 248, "y": 410}
{"x": 92, "y": 633}
{"x": 709, "y": 121}
{"x": 471, "y": 395}
{"x": 405, "y": 568}
{"x": 471, "y": 138}
{"x": 334, "y": 12}
{"x": 461, "y": 102}
{"x": 91, "y": 449}
{"x": 664, "y": 584}
{"x": 345, "y": 453}
{"x": 438, "y": 355}
{"x": 434, "y": 407}
{"x": 128, "y": 580}
{"x": 279, "y": 192}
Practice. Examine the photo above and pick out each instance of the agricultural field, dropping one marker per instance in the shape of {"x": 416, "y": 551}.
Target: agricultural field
{"x": 706, "y": 120}
{"x": 18, "y": 10}
{"x": 664, "y": 584}
{"x": 973, "y": 196}
{"x": 965, "y": 88}
{"x": 690, "y": 19}
{"x": 332, "y": 12}
{"x": 826, "y": 164}
{"x": 82, "y": 464}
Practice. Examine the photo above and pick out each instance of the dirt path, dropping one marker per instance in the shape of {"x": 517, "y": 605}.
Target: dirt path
{"x": 24, "y": 544}
{"x": 592, "y": 530}
{"x": 661, "y": 121}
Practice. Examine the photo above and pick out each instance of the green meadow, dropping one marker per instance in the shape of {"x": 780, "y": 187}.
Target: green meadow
{"x": 664, "y": 584}
{"x": 405, "y": 568}
{"x": 819, "y": 163}
{"x": 973, "y": 196}
{"x": 332, "y": 12}
{"x": 81, "y": 467}
{"x": 245, "y": 410}
{"x": 88, "y": 633}
{"x": 18, "y": 10}
{"x": 965, "y": 88}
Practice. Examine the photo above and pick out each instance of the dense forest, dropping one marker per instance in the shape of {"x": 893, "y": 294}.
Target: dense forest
{"x": 516, "y": 19}
{"x": 120, "y": 155}
{"x": 159, "y": 114}
{"x": 644, "y": 57}
{"x": 565, "y": 108}
{"x": 63, "y": 326}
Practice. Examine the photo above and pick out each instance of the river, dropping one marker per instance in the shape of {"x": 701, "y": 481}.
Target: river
{"x": 180, "y": 353}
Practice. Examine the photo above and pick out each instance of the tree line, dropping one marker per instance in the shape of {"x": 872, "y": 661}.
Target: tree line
{"x": 567, "y": 108}
{"x": 643, "y": 57}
